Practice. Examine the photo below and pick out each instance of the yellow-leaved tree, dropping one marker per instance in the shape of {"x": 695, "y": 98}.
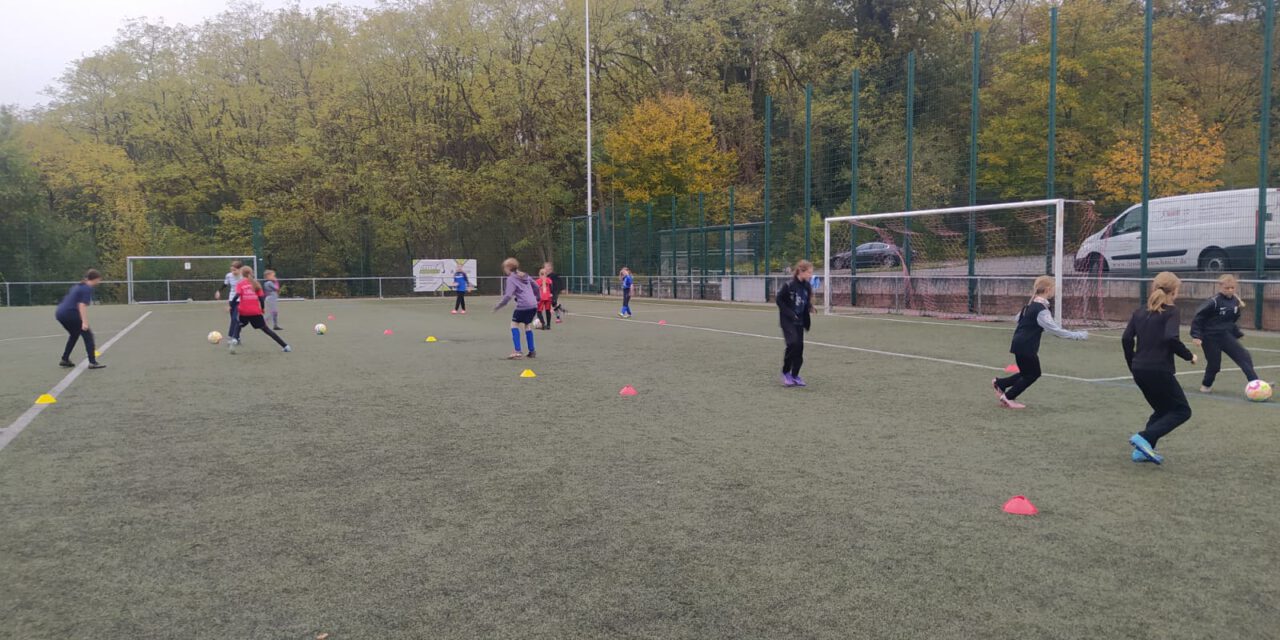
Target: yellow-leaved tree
{"x": 666, "y": 146}
{"x": 1186, "y": 157}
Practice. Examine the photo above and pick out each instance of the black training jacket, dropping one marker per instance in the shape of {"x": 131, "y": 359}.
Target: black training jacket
{"x": 1156, "y": 338}
{"x": 1217, "y": 317}
{"x": 786, "y": 301}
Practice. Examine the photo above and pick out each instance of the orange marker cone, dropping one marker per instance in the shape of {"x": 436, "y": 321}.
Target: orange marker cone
{"x": 1020, "y": 506}
{"x": 628, "y": 391}
{"x": 388, "y": 332}
{"x": 1013, "y": 368}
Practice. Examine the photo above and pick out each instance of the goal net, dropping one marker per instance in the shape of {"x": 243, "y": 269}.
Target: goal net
{"x": 164, "y": 279}
{"x": 961, "y": 262}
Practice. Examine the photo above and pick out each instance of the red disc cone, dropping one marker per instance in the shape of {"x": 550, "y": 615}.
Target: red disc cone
{"x": 628, "y": 391}
{"x": 1020, "y": 506}
{"x": 1013, "y": 368}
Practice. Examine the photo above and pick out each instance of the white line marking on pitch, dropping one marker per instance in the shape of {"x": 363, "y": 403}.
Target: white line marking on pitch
{"x": 1190, "y": 372}
{"x": 959, "y": 363}
{"x": 56, "y": 335}
{"x": 9, "y": 433}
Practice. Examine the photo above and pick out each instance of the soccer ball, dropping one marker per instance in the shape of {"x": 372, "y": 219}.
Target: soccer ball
{"x": 1258, "y": 391}
{"x": 537, "y": 323}
{"x": 215, "y": 337}
{"x": 321, "y": 329}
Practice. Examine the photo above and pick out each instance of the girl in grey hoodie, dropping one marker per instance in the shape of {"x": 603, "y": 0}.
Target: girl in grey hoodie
{"x": 520, "y": 287}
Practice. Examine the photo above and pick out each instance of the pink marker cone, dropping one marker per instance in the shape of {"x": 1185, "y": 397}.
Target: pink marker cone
{"x": 1020, "y": 506}
{"x": 628, "y": 391}
{"x": 387, "y": 332}
{"x": 331, "y": 316}
{"x": 662, "y": 322}
{"x": 1013, "y": 368}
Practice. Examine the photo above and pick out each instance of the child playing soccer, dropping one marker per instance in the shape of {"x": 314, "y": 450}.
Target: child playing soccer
{"x": 460, "y": 283}
{"x": 1154, "y": 328}
{"x": 73, "y": 315}
{"x": 795, "y": 304}
{"x": 272, "y": 288}
{"x": 544, "y": 298}
{"x": 519, "y": 286}
{"x": 1034, "y": 319}
{"x": 556, "y": 287}
{"x": 229, "y": 283}
{"x": 1214, "y": 329}
{"x": 250, "y": 310}
{"x": 625, "y": 275}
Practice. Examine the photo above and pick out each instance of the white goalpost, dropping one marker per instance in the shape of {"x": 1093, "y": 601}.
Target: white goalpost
{"x": 945, "y": 261}
{"x": 180, "y": 274}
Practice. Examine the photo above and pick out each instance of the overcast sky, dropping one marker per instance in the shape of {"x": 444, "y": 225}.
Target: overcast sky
{"x": 41, "y": 37}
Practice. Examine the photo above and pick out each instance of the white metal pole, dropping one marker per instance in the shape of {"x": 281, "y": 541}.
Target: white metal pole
{"x": 591, "y": 250}
{"x": 1057, "y": 259}
{"x": 826, "y": 267}
{"x": 128, "y": 270}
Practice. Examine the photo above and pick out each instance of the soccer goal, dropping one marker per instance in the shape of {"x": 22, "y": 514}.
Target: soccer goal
{"x": 961, "y": 262}
{"x": 168, "y": 279}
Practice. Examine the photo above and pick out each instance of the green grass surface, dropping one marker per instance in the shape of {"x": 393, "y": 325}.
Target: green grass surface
{"x": 373, "y": 486}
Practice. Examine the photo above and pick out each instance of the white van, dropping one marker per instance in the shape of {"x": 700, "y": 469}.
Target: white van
{"x": 1199, "y": 232}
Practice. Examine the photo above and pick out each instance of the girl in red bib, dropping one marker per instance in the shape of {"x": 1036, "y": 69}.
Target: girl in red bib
{"x": 248, "y": 296}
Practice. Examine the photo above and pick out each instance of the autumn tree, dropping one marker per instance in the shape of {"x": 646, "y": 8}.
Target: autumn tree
{"x": 1186, "y": 157}
{"x": 665, "y": 146}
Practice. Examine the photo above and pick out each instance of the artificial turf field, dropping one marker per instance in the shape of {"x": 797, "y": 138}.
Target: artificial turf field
{"x": 371, "y": 486}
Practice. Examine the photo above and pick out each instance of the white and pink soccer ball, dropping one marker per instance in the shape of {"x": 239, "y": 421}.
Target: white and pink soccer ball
{"x": 1257, "y": 391}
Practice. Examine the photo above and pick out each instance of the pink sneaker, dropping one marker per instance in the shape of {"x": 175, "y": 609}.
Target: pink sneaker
{"x": 464, "y": 312}
{"x": 995, "y": 384}
{"x": 454, "y": 312}
{"x": 1011, "y": 404}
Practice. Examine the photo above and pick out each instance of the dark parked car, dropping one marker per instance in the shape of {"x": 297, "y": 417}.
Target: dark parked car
{"x": 871, "y": 254}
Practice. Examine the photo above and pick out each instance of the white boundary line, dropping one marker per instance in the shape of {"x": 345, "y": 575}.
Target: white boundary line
{"x": 9, "y": 433}
{"x": 912, "y": 356}
{"x": 56, "y": 335}
{"x": 1190, "y": 372}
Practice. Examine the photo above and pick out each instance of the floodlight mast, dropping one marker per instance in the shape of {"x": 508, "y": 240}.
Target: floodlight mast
{"x": 591, "y": 261}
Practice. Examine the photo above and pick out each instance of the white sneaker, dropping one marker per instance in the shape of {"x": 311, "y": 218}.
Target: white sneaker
{"x": 232, "y": 344}
{"x": 287, "y": 349}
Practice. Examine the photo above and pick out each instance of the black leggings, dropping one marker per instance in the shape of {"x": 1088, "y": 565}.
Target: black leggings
{"x": 793, "y": 357}
{"x": 1215, "y": 346}
{"x": 1028, "y": 373}
{"x": 1164, "y": 394}
{"x": 461, "y": 301}
{"x": 73, "y": 328}
{"x": 260, "y": 324}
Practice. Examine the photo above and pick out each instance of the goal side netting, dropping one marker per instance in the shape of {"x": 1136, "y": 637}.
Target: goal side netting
{"x": 168, "y": 279}
{"x": 961, "y": 262}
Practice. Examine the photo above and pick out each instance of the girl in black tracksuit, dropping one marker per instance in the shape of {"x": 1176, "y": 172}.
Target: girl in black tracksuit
{"x": 1033, "y": 321}
{"x": 1150, "y": 341}
{"x": 795, "y": 303}
{"x": 1214, "y": 329}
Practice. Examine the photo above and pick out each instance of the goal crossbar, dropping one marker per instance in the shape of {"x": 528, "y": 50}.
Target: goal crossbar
{"x": 1059, "y": 205}
{"x": 129, "y": 279}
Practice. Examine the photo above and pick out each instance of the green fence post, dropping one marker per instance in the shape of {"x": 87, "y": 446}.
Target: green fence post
{"x": 973, "y": 172}
{"x": 256, "y": 225}
{"x": 1264, "y": 147}
{"x": 768, "y": 182}
{"x": 911, "y": 155}
{"x": 1146, "y": 145}
{"x": 650, "y": 259}
{"x": 733, "y": 255}
{"x": 1053, "y": 137}
{"x": 702, "y": 222}
{"x": 573, "y": 252}
{"x": 853, "y": 192}
{"x": 626, "y": 240}
{"x": 675, "y": 285}
{"x": 808, "y": 162}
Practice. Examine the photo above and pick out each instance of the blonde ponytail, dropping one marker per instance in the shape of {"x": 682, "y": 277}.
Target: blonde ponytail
{"x": 1041, "y": 286}
{"x": 1164, "y": 290}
